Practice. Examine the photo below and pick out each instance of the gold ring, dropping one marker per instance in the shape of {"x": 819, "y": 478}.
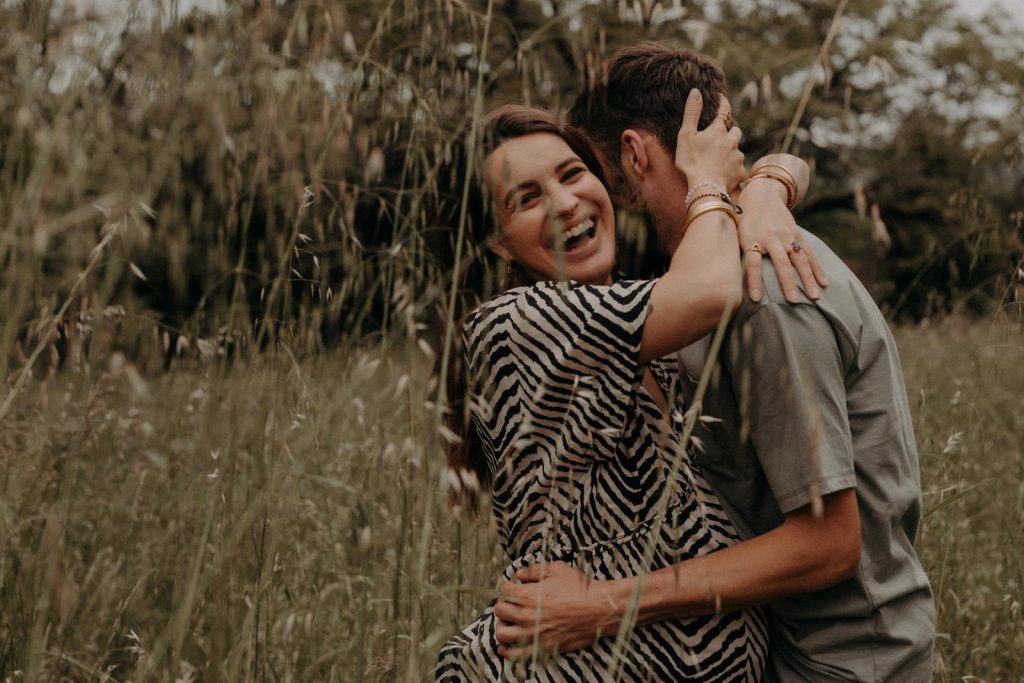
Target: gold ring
{"x": 726, "y": 118}
{"x": 755, "y": 247}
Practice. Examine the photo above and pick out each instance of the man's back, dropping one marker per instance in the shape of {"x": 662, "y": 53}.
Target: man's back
{"x": 812, "y": 401}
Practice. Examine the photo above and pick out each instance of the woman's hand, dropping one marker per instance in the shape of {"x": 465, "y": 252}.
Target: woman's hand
{"x": 710, "y": 155}
{"x": 769, "y": 226}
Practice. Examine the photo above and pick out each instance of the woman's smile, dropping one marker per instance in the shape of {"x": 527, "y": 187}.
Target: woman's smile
{"x": 556, "y": 217}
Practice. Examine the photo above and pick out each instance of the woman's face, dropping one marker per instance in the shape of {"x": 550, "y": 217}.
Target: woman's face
{"x": 556, "y": 218}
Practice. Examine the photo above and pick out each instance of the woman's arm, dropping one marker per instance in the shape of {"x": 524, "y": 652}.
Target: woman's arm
{"x": 782, "y": 170}
{"x": 702, "y": 281}
{"x": 766, "y": 201}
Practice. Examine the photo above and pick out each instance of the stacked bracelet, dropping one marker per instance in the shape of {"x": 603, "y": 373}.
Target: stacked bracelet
{"x": 721, "y": 196}
{"x": 690, "y": 198}
{"x": 782, "y": 175}
{"x": 708, "y": 207}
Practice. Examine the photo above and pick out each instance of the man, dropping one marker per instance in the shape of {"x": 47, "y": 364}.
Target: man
{"x": 813, "y": 458}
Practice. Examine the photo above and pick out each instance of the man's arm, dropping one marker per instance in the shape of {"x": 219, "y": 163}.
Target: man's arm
{"x": 789, "y": 379}
{"x": 805, "y": 554}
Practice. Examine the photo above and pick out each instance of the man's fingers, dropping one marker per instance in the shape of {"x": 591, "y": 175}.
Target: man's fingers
{"x": 513, "y": 614}
{"x": 691, "y": 112}
{"x": 803, "y": 267}
{"x": 511, "y": 593}
{"x": 515, "y": 652}
{"x": 753, "y": 268}
{"x": 511, "y": 634}
{"x": 530, "y": 574}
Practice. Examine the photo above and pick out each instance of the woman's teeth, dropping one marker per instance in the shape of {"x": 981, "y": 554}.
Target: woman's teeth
{"x": 581, "y": 228}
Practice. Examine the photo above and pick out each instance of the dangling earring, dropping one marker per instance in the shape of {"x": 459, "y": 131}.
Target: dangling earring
{"x": 508, "y": 275}
{"x": 513, "y": 275}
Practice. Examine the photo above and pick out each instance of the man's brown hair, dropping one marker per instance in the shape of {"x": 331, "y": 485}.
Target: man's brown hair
{"x": 645, "y": 86}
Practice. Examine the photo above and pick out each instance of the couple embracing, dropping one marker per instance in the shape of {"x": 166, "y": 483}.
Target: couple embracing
{"x": 781, "y": 547}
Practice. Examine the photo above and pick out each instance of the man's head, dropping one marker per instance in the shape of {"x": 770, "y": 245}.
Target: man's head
{"x": 638, "y": 102}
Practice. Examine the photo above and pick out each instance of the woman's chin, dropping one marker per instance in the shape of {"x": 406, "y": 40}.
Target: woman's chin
{"x": 594, "y": 271}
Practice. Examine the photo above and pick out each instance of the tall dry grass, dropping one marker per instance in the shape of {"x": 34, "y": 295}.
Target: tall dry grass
{"x": 285, "y": 521}
{"x": 245, "y": 199}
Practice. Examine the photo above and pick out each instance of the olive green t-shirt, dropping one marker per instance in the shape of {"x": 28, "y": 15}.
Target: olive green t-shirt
{"x": 811, "y": 401}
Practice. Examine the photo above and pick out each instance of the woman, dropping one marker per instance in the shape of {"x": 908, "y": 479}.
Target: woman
{"x": 566, "y": 413}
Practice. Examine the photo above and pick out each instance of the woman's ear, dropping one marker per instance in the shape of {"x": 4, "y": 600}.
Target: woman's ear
{"x": 634, "y": 152}
{"x": 498, "y": 248}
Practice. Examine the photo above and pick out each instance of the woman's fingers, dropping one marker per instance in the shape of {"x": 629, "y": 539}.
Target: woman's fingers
{"x": 777, "y": 253}
{"x": 754, "y": 270}
{"x": 803, "y": 266}
{"x": 819, "y": 272}
{"x": 724, "y": 109}
{"x": 691, "y": 113}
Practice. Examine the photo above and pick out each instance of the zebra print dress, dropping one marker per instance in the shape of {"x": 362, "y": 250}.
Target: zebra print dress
{"x": 580, "y": 455}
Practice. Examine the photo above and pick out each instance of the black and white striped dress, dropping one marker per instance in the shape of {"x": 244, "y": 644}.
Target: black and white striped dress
{"x": 580, "y": 454}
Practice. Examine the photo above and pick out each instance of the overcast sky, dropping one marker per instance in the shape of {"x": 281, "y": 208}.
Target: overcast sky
{"x": 1015, "y": 8}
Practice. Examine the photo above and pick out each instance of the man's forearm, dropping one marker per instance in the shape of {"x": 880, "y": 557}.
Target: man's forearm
{"x": 803, "y": 555}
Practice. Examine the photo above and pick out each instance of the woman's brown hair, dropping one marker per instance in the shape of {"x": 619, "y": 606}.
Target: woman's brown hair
{"x": 465, "y": 458}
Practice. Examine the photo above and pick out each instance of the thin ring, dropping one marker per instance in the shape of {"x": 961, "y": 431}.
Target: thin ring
{"x": 755, "y": 247}
{"x": 726, "y": 119}
{"x": 795, "y": 246}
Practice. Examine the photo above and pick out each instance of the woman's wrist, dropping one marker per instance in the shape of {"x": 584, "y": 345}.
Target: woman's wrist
{"x": 789, "y": 169}
{"x": 765, "y": 183}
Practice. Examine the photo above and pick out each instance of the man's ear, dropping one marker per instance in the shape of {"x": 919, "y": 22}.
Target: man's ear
{"x": 634, "y": 157}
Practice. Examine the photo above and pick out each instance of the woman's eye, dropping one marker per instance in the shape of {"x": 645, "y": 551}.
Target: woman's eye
{"x": 525, "y": 200}
{"x": 573, "y": 172}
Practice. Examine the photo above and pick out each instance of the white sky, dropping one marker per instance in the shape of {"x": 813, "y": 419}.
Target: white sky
{"x": 973, "y": 8}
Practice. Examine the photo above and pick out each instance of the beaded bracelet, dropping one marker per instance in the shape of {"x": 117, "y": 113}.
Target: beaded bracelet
{"x": 697, "y": 186}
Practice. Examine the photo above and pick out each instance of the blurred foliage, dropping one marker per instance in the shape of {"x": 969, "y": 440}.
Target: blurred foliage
{"x": 269, "y": 172}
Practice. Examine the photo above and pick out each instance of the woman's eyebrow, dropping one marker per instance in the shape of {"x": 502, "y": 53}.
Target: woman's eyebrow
{"x": 517, "y": 188}
{"x": 571, "y": 160}
{"x": 532, "y": 183}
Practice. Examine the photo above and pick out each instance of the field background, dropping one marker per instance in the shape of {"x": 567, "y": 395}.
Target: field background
{"x": 227, "y": 239}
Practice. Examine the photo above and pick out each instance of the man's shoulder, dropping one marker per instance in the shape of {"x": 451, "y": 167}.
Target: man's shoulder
{"x": 844, "y": 302}
{"x": 836, "y": 270}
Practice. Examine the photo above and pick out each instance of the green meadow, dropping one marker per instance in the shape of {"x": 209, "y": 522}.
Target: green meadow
{"x": 228, "y": 235}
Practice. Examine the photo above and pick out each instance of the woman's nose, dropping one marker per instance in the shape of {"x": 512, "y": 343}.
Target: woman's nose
{"x": 563, "y": 202}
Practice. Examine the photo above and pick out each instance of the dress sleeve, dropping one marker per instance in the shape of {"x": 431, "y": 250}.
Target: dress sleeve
{"x": 555, "y": 366}
{"x": 788, "y": 376}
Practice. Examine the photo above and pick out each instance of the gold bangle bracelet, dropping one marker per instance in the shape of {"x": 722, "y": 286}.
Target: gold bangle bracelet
{"x": 718, "y": 205}
{"x": 787, "y": 179}
{"x": 782, "y": 169}
{"x": 708, "y": 207}
{"x": 788, "y": 184}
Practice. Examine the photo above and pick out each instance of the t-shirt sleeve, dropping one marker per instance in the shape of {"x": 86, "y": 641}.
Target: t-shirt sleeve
{"x": 788, "y": 376}
{"x": 555, "y": 367}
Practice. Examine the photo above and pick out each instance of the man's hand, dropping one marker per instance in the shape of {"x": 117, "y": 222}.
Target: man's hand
{"x": 557, "y": 608}
{"x": 767, "y": 222}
